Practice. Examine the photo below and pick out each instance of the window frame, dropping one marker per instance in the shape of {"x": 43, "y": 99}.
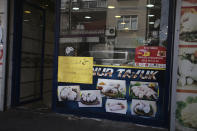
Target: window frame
{"x": 130, "y": 22}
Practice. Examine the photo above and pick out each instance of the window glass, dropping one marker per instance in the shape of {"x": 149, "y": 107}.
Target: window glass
{"x": 127, "y": 23}
{"x": 111, "y": 30}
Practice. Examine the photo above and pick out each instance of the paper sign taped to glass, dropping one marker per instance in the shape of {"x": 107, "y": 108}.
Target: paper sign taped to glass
{"x": 75, "y": 69}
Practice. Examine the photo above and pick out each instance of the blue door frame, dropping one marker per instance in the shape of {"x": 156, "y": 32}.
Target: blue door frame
{"x": 16, "y": 61}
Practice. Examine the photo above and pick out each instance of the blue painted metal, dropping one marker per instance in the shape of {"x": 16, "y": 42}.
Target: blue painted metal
{"x": 56, "y": 52}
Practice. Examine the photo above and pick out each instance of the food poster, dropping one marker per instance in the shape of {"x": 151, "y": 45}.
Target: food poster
{"x": 117, "y": 93}
{"x": 90, "y": 98}
{"x": 143, "y": 108}
{"x": 188, "y": 26}
{"x": 116, "y": 106}
{"x": 187, "y": 69}
{"x": 186, "y": 119}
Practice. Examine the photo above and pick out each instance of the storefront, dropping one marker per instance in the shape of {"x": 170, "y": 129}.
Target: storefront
{"x": 128, "y": 45}
{"x": 113, "y": 59}
{"x": 3, "y": 43}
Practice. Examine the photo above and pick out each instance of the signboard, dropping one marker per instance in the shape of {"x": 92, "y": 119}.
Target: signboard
{"x": 186, "y": 97}
{"x": 150, "y": 56}
{"x": 118, "y": 93}
{"x": 75, "y": 69}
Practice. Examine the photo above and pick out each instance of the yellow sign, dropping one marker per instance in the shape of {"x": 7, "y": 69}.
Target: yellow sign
{"x": 75, "y": 69}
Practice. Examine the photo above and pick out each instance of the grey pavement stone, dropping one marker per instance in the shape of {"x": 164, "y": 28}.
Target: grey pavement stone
{"x": 44, "y": 120}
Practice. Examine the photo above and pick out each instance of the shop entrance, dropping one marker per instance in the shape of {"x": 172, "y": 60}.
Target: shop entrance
{"x": 30, "y": 59}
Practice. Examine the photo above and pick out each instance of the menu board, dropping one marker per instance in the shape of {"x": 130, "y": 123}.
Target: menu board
{"x": 186, "y": 118}
{"x": 117, "y": 92}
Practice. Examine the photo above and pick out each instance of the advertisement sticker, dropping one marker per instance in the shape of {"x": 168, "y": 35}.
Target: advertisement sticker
{"x": 150, "y": 56}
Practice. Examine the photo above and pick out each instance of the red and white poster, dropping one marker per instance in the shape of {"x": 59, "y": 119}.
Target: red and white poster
{"x": 150, "y": 56}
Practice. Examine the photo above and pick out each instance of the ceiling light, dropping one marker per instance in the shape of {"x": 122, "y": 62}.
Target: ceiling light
{"x": 150, "y": 5}
{"x": 117, "y": 16}
{"x": 151, "y": 23}
{"x": 111, "y": 7}
{"x": 87, "y": 17}
{"x": 123, "y": 23}
{"x": 151, "y": 15}
{"x": 27, "y": 12}
{"x": 75, "y": 8}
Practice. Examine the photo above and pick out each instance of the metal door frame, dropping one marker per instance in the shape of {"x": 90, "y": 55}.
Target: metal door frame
{"x": 17, "y": 40}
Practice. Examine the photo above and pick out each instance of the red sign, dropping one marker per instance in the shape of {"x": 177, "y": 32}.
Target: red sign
{"x": 150, "y": 56}
{"x": 1, "y": 55}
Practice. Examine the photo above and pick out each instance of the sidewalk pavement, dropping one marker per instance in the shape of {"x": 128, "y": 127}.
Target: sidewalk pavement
{"x": 45, "y": 120}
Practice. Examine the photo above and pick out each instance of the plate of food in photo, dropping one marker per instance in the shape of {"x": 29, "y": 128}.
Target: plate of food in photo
{"x": 116, "y": 106}
{"x": 187, "y": 69}
{"x": 90, "y": 98}
{"x": 70, "y": 93}
{"x": 144, "y": 90}
{"x": 112, "y": 88}
{"x": 188, "y": 26}
{"x": 186, "y": 117}
{"x": 143, "y": 108}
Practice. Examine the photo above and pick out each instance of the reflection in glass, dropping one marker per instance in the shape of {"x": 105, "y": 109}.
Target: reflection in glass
{"x": 109, "y": 30}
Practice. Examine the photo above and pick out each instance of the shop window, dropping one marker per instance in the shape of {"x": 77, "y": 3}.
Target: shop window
{"x": 110, "y": 31}
{"x": 124, "y": 43}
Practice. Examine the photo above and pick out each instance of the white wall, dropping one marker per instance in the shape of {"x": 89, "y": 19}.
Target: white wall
{"x": 3, "y": 24}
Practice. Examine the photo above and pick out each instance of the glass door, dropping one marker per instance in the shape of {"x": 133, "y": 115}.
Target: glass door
{"x": 29, "y": 56}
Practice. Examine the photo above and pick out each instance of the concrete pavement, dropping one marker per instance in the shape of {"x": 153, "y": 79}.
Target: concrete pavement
{"x": 45, "y": 120}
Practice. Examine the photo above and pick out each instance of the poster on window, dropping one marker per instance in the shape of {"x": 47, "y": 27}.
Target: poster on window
{"x": 116, "y": 92}
{"x": 187, "y": 68}
{"x": 150, "y": 56}
{"x": 186, "y": 117}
